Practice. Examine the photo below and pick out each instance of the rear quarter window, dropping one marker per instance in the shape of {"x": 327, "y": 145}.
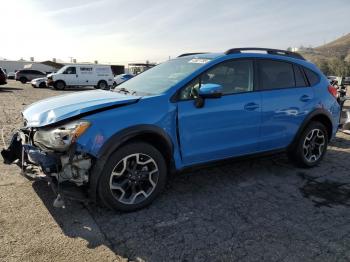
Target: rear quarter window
{"x": 312, "y": 77}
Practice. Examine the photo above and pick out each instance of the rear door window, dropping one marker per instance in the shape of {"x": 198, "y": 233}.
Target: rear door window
{"x": 299, "y": 77}
{"x": 275, "y": 74}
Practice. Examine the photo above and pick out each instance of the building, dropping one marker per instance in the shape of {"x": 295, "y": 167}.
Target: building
{"x": 13, "y": 66}
{"x": 46, "y": 66}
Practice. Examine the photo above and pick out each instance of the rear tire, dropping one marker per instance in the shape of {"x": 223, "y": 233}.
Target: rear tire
{"x": 311, "y": 146}
{"x": 133, "y": 176}
{"x": 59, "y": 85}
{"x": 23, "y": 80}
{"x": 102, "y": 85}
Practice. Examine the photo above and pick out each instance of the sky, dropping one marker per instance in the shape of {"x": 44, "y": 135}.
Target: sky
{"x": 122, "y": 31}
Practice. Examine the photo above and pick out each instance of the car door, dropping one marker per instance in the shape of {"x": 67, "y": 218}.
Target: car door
{"x": 71, "y": 76}
{"x": 37, "y": 74}
{"x": 224, "y": 127}
{"x": 85, "y": 76}
{"x": 286, "y": 100}
{"x": 31, "y": 74}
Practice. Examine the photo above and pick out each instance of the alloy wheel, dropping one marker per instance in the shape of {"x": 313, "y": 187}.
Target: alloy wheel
{"x": 134, "y": 178}
{"x": 314, "y": 145}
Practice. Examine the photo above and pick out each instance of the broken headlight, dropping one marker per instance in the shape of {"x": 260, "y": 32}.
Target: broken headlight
{"x": 60, "y": 138}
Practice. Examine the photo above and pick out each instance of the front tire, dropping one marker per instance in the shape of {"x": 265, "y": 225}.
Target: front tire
{"x": 59, "y": 85}
{"x": 132, "y": 177}
{"x": 311, "y": 146}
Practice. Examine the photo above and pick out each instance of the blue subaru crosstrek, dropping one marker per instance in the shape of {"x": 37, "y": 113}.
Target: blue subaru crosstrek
{"x": 119, "y": 146}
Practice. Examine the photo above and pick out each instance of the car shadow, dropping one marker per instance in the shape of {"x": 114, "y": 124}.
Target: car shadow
{"x": 8, "y": 89}
{"x": 198, "y": 212}
{"x": 87, "y": 88}
{"x": 73, "y": 219}
{"x": 224, "y": 212}
{"x": 340, "y": 141}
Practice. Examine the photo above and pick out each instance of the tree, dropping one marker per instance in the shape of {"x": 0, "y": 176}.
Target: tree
{"x": 322, "y": 64}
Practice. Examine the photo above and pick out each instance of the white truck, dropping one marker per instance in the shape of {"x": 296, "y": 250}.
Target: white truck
{"x": 99, "y": 76}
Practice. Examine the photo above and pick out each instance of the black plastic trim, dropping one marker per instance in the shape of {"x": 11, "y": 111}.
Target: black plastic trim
{"x": 188, "y": 54}
{"x": 316, "y": 112}
{"x": 231, "y": 160}
{"x": 268, "y": 51}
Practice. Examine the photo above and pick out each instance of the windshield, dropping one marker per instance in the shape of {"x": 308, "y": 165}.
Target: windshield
{"x": 160, "y": 78}
{"x": 61, "y": 70}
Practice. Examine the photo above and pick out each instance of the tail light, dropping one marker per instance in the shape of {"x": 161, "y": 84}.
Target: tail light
{"x": 333, "y": 91}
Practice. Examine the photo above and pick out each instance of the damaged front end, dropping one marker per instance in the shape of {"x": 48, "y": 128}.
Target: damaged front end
{"x": 51, "y": 153}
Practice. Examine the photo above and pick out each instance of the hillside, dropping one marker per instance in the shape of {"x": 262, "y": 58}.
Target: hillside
{"x": 339, "y": 48}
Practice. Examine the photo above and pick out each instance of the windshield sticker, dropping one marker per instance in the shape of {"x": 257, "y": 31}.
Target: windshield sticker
{"x": 199, "y": 61}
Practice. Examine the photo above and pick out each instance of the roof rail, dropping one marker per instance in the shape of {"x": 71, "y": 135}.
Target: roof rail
{"x": 268, "y": 51}
{"x": 188, "y": 54}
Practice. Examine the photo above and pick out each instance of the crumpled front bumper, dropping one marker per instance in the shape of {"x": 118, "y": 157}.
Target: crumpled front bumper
{"x": 67, "y": 174}
{"x": 26, "y": 155}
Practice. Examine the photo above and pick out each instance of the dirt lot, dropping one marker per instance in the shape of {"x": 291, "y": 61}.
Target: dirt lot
{"x": 256, "y": 210}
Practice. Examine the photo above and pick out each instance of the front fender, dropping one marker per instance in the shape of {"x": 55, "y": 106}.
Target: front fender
{"x": 118, "y": 139}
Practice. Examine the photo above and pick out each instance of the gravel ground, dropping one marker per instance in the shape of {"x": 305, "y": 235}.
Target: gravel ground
{"x": 255, "y": 210}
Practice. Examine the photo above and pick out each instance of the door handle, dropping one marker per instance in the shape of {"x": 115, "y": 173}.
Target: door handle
{"x": 305, "y": 98}
{"x": 251, "y": 106}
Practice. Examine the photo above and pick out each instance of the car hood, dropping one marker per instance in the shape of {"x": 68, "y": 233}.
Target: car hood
{"x": 49, "y": 111}
{"x": 39, "y": 79}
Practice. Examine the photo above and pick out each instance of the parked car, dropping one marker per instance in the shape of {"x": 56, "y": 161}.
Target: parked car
{"x": 347, "y": 80}
{"x": 101, "y": 77}
{"x": 11, "y": 75}
{"x": 27, "y": 75}
{"x": 39, "y": 82}
{"x": 332, "y": 77}
{"x": 121, "y": 78}
{"x": 121, "y": 145}
{"x": 3, "y": 77}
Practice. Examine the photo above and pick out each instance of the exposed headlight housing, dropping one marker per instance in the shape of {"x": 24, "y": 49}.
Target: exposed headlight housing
{"x": 60, "y": 138}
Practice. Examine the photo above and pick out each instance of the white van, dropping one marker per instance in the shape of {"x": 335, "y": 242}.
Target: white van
{"x": 98, "y": 76}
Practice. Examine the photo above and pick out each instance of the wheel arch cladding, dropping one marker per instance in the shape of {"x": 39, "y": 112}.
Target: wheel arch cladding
{"x": 319, "y": 115}
{"x": 153, "y": 135}
{"x": 326, "y": 122}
